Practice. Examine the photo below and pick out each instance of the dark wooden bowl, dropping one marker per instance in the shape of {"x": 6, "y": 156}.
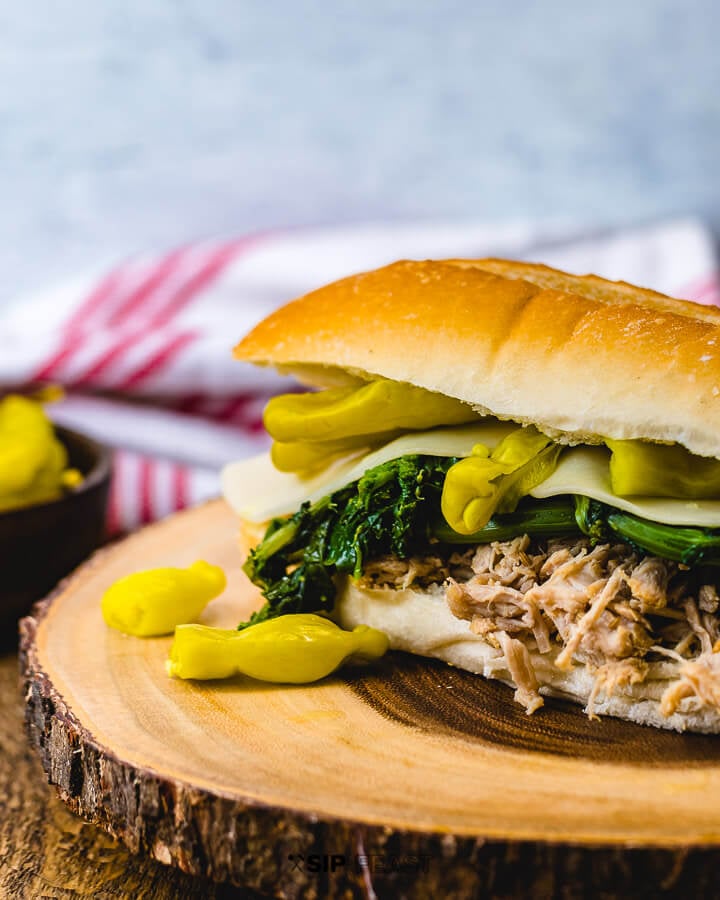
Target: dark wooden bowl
{"x": 41, "y": 544}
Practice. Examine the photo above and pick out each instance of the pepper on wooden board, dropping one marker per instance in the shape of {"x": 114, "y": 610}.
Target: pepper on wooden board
{"x": 291, "y": 649}
{"x": 153, "y": 602}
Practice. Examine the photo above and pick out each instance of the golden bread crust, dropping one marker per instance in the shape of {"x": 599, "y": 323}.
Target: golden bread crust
{"x": 581, "y": 357}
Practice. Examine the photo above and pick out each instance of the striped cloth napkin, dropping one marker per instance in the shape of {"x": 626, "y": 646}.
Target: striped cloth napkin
{"x": 144, "y": 348}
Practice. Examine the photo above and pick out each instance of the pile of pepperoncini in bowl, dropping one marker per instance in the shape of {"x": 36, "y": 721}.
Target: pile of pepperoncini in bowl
{"x": 53, "y": 498}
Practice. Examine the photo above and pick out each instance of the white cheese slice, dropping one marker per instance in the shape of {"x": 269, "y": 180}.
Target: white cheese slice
{"x": 258, "y": 492}
{"x": 586, "y": 470}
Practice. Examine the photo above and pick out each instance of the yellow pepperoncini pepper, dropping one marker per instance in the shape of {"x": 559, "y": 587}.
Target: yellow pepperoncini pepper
{"x": 661, "y": 470}
{"x": 26, "y": 443}
{"x": 487, "y": 483}
{"x": 33, "y": 462}
{"x": 310, "y": 428}
{"x": 305, "y": 456}
{"x": 155, "y": 601}
{"x": 291, "y": 649}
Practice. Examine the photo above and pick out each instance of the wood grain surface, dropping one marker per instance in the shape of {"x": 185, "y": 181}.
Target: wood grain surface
{"x": 47, "y": 852}
{"x": 415, "y": 777}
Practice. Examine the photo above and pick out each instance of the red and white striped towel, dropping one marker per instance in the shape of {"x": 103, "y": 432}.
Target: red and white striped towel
{"x": 144, "y": 349}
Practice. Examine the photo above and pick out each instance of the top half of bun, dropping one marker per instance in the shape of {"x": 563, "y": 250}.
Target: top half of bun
{"x": 581, "y": 357}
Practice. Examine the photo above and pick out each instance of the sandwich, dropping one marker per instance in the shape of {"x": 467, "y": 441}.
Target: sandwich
{"x": 507, "y": 467}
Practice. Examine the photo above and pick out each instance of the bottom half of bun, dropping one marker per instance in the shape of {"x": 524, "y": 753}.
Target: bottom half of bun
{"x": 420, "y": 622}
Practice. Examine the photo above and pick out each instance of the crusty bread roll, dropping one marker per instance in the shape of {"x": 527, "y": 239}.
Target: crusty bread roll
{"x": 582, "y": 358}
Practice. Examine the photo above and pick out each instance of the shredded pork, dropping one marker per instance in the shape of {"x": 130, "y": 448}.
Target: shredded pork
{"x": 620, "y": 615}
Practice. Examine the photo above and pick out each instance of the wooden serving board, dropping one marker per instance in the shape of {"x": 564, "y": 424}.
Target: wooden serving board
{"x": 408, "y": 776}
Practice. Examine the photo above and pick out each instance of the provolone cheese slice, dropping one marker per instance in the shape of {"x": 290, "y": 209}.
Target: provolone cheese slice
{"x": 586, "y": 470}
{"x": 258, "y": 492}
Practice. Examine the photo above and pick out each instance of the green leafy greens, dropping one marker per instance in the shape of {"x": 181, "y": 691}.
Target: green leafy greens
{"x": 395, "y": 509}
{"x": 389, "y": 510}
{"x": 684, "y": 544}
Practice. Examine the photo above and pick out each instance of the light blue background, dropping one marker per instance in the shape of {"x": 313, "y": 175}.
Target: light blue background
{"x": 141, "y": 123}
